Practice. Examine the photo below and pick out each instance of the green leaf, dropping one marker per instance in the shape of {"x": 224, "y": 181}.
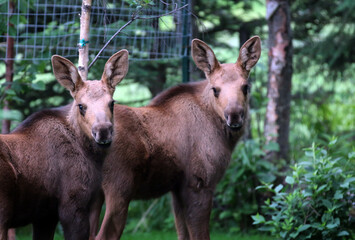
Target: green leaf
{"x": 343, "y": 233}
{"x": 331, "y": 225}
{"x": 294, "y": 234}
{"x": 258, "y": 152}
{"x": 327, "y": 203}
{"x": 258, "y": 219}
{"x": 272, "y": 147}
{"x": 10, "y": 92}
{"x": 266, "y": 228}
{"x": 225, "y": 214}
{"x": 321, "y": 188}
{"x": 39, "y": 86}
{"x": 278, "y": 188}
{"x": 266, "y": 177}
{"x": 290, "y": 180}
{"x": 283, "y": 234}
{"x": 333, "y": 142}
{"x": 11, "y": 115}
{"x": 338, "y": 195}
{"x": 303, "y": 227}
{"x": 347, "y": 182}
{"x": 261, "y": 187}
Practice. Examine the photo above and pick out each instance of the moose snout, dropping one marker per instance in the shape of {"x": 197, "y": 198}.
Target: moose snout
{"x": 235, "y": 117}
{"x": 102, "y": 133}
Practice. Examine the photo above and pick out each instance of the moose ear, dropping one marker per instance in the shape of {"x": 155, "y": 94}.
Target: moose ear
{"x": 66, "y": 73}
{"x": 203, "y": 56}
{"x": 249, "y": 53}
{"x": 116, "y": 68}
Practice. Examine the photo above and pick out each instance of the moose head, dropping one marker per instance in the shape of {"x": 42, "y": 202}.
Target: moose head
{"x": 93, "y": 103}
{"x": 228, "y": 83}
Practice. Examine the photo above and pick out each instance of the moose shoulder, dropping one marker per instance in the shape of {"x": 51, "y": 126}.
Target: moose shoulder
{"x": 181, "y": 142}
{"x": 50, "y": 165}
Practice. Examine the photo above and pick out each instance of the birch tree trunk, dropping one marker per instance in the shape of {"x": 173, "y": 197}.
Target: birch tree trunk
{"x": 279, "y": 78}
{"x": 84, "y": 39}
{"x": 5, "y": 128}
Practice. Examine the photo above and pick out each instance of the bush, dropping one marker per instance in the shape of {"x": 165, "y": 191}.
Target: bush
{"x": 235, "y": 197}
{"x": 318, "y": 201}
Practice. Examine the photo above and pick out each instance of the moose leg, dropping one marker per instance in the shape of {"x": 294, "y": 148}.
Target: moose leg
{"x": 11, "y": 234}
{"x": 7, "y": 196}
{"x": 75, "y": 221}
{"x": 4, "y": 216}
{"x": 179, "y": 214}
{"x": 44, "y": 229}
{"x": 3, "y": 233}
{"x": 198, "y": 204}
{"x": 95, "y": 211}
{"x": 115, "y": 218}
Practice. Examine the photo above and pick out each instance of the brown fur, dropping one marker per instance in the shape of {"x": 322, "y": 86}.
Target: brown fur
{"x": 181, "y": 142}
{"x": 50, "y": 167}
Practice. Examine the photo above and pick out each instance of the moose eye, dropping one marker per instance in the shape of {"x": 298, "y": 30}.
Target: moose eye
{"x": 216, "y": 92}
{"x": 82, "y": 109}
{"x": 111, "y": 105}
{"x": 245, "y": 89}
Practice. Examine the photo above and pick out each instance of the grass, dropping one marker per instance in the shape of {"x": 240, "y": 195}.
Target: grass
{"x": 26, "y": 235}
{"x": 173, "y": 236}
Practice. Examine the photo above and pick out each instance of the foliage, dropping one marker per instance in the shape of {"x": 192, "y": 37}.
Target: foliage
{"x": 30, "y": 82}
{"x": 235, "y": 197}
{"x": 147, "y": 216}
{"x": 317, "y": 202}
{"x": 324, "y": 32}
{"x": 141, "y": 3}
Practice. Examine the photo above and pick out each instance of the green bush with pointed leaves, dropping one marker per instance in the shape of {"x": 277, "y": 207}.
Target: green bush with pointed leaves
{"x": 317, "y": 202}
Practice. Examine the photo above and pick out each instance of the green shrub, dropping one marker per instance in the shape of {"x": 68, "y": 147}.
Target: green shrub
{"x": 235, "y": 197}
{"x": 317, "y": 201}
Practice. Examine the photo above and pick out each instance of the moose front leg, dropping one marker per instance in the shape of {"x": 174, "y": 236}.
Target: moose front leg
{"x": 3, "y": 232}
{"x": 75, "y": 221}
{"x": 198, "y": 204}
{"x": 95, "y": 211}
{"x": 179, "y": 214}
{"x": 115, "y": 218}
{"x": 44, "y": 229}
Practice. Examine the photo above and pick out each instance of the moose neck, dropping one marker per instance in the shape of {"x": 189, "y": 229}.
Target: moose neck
{"x": 89, "y": 147}
{"x": 229, "y": 135}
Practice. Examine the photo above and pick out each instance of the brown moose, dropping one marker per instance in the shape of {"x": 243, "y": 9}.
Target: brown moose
{"x": 50, "y": 165}
{"x": 181, "y": 142}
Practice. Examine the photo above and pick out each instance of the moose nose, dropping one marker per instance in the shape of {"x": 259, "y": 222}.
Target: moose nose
{"x": 102, "y": 133}
{"x": 234, "y": 117}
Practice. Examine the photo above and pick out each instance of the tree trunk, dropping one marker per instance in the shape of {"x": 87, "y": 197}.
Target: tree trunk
{"x": 9, "y": 69}
{"x": 84, "y": 39}
{"x": 6, "y": 124}
{"x": 5, "y": 128}
{"x": 279, "y": 79}
{"x": 8, "y": 76}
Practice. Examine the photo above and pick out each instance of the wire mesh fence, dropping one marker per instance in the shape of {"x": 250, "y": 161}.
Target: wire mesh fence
{"x": 41, "y": 28}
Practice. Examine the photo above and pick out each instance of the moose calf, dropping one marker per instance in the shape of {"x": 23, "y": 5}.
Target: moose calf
{"x": 50, "y": 165}
{"x": 181, "y": 142}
